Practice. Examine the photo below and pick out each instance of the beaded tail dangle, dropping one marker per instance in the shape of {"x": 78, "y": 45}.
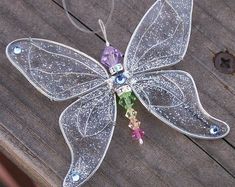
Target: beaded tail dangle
{"x": 112, "y": 60}
{"x": 126, "y": 100}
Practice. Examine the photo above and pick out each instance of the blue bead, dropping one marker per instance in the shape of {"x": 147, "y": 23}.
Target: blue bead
{"x": 120, "y": 79}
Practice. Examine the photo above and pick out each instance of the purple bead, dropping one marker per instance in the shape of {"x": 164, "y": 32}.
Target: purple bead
{"x": 111, "y": 56}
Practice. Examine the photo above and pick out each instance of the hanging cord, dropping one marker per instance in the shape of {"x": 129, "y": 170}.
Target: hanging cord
{"x": 86, "y": 30}
{"x": 102, "y": 27}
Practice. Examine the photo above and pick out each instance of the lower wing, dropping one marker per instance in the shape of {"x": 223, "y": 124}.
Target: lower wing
{"x": 172, "y": 97}
{"x": 87, "y": 126}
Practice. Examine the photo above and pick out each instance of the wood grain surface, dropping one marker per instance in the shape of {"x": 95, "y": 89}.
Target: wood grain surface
{"x": 29, "y": 130}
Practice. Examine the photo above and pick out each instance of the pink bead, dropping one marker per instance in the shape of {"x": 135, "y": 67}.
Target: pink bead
{"x": 137, "y": 134}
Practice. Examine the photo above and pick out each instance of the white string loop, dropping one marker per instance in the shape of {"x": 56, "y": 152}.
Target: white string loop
{"x": 103, "y": 29}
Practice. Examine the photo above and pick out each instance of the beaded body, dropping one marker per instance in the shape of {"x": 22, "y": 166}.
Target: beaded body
{"x": 112, "y": 60}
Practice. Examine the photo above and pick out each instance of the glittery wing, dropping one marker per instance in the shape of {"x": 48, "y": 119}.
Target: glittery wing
{"x": 57, "y": 71}
{"x": 161, "y": 38}
{"x": 172, "y": 97}
{"x": 87, "y": 125}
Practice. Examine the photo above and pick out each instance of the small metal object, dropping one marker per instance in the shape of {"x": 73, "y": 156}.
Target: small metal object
{"x": 116, "y": 68}
{"x": 225, "y": 62}
{"x": 123, "y": 89}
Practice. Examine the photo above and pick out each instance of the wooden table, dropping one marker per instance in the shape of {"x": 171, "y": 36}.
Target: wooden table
{"x": 30, "y": 134}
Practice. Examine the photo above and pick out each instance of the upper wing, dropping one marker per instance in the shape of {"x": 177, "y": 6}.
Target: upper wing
{"x": 161, "y": 38}
{"x": 57, "y": 71}
{"x": 172, "y": 97}
{"x": 87, "y": 125}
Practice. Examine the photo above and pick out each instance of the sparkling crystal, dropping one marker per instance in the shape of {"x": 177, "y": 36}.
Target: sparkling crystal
{"x": 75, "y": 176}
{"x": 127, "y": 100}
{"x": 111, "y": 56}
{"x": 134, "y": 123}
{"x": 137, "y": 134}
{"x": 17, "y": 50}
{"x": 131, "y": 113}
{"x": 214, "y": 129}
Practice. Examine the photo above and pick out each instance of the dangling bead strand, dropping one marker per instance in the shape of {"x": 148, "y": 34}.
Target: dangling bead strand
{"x": 127, "y": 101}
{"x": 137, "y": 132}
{"x": 111, "y": 59}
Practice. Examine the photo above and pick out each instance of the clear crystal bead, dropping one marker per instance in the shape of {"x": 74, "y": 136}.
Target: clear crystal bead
{"x": 214, "y": 129}
{"x": 17, "y": 50}
{"x": 75, "y": 176}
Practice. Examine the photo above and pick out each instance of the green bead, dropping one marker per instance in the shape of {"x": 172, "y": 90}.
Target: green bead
{"x": 127, "y": 100}
{"x": 131, "y": 113}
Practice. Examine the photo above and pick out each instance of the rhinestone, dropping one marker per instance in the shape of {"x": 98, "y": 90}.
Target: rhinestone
{"x": 75, "y": 176}
{"x": 17, "y": 50}
{"x": 214, "y": 129}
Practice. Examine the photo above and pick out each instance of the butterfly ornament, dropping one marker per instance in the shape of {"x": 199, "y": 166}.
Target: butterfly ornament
{"x": 61, "y": 72}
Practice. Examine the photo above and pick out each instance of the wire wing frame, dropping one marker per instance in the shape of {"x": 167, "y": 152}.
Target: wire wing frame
{"x": 87, "y": 126}
{"x": 61, "y": 72}
{"x": 56, "y": 70}
{"x": 173, "y": 98}
{"x": 161, "y": 38}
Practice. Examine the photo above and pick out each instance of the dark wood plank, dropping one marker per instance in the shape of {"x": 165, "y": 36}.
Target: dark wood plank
{"x": 29, "y": 122}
